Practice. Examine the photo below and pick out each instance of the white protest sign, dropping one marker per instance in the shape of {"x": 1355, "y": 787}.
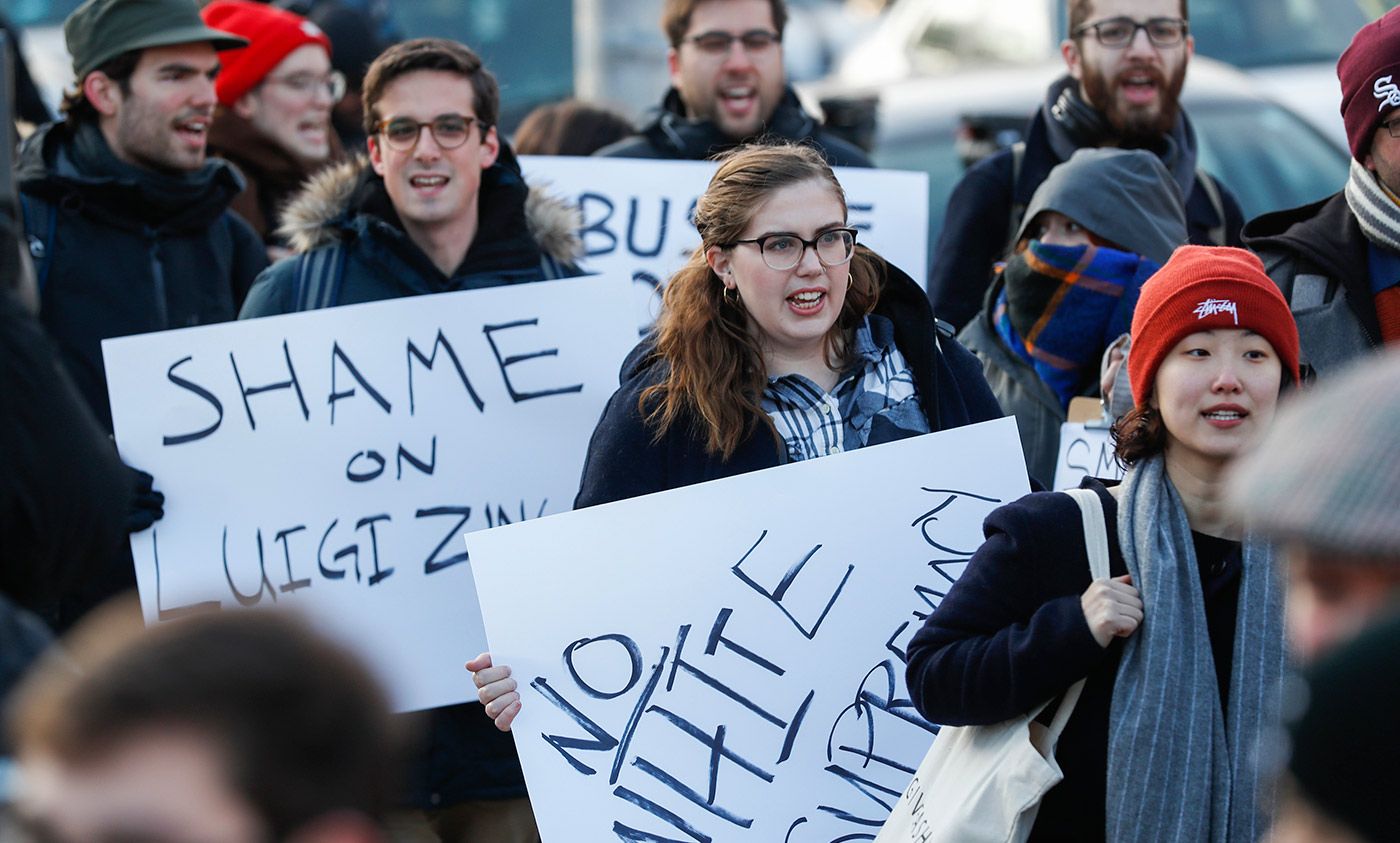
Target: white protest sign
{"x": 726, "y": 661}
{"x": 1085, "y": 451}
{"x": 637, "y": 214}
{"x": 331, "y": 460}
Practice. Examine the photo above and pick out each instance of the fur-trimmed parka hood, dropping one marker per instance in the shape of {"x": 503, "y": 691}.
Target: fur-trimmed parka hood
{"x": 334, "y": 201}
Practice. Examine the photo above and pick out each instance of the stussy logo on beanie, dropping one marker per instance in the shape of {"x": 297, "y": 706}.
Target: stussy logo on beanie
{"x": 1388, "y": 93}
{"x": 1210, "y": 307}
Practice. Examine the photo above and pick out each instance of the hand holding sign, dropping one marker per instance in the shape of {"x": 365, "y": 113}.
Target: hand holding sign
{"x": 496, "y": 690}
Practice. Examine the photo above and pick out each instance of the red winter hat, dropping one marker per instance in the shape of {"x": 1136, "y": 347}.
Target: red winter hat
{"x": 1369, "y": 71}
{"x": 271, "y": 33}
{"x": 1203, "y": 288}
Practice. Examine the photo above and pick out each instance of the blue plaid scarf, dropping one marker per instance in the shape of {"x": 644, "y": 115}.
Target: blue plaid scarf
{"x": 1060, "y": 306}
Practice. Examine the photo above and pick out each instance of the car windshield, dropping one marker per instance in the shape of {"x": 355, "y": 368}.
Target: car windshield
{"x": 1254, "y": 33}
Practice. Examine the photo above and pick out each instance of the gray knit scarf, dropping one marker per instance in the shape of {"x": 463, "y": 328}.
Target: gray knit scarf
{"x": 1374, "y": 209}
{"x": 1179, "y": 770}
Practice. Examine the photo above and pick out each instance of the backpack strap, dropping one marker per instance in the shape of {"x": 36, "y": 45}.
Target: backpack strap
{"x": 1017, "y": 209}
{"x": 1212, "y": 189}
{"x": 39, "y": 215}
{"x": 320, "y": 273}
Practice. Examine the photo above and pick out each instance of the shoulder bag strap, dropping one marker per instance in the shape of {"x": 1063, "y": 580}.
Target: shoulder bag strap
{"x": 1096, "y": 543}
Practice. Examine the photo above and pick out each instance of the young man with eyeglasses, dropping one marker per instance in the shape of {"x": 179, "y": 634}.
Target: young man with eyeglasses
{"x": 440, "y": 205}
{"x": 728, "y": 86}
{"x": 1337, "y": 261}
{"x": 1126, "y": 62}
{"x": 274, "y": 114}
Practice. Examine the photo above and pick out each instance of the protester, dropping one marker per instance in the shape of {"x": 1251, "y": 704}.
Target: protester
{"x": 356, "y": 35}
{"x": 1342, "y": 776}
{"x": 1173, "y": 709}
{"x": 232, "y": 726}
{"x": 432, "y": 211}
{"x": 440, "y": 206}
{"x": 1325, "y": 484}
{"x": 1096, "y": 228}
{"x": 274, "y": 114}
{"x": 127, "y": 220}
{"x": 728, "y": 86}
{"x": 1338, "y": 260}
{"x": 779, "y": 341}
{"x": 125, "y": 178}
{"x": 569, "y": 127}
{"x": 1127, "y": 61}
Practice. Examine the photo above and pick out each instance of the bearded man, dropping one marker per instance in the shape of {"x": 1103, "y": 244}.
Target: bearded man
{"x": 1126, "y": 62}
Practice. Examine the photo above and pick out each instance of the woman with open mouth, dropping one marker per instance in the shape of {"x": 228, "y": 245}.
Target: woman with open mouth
{"x": 1181, "y": 649}
{"x": 780, "y": 340}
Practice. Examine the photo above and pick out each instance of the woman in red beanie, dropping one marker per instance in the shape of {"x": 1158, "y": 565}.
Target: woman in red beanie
{"x": 1182, "y": 649}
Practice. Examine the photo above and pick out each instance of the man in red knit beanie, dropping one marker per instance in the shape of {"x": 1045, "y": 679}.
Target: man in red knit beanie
{"x": 274, "y": 115}
{"x": 1337, "y": 261}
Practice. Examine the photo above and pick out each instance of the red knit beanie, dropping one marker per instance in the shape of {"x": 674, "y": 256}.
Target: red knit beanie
{"x": 1203, "y": 288}
{"x": 1369, "y": 71}
{"x": 271, "y": 33}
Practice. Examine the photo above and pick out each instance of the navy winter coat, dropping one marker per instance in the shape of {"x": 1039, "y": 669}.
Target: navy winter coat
{"x": 624, "y": 461}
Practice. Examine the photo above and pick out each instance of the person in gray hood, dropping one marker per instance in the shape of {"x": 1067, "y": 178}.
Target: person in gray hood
{"x": 1096, "y": 228}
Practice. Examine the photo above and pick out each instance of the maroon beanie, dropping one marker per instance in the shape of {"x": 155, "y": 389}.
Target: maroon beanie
{"x": 1369, "y": 71}
{"x": 271, "y": 33}
{"x": 1204, "y": 288}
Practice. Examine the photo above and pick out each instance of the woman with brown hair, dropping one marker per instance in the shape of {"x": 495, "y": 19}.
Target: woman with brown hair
{"x": 781, "y": 340}
{"x": 1182, "y": 649}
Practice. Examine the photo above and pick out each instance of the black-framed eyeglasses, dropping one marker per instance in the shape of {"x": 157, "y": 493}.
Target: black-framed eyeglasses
{"x": 309, "y": 84}
{"x": 1391, "y": 126}
{"x": 449, "y": 130}
{"x": 834, "y": 247}
{"x": 719, "y": 43}
{"x": 1117, "y": 33}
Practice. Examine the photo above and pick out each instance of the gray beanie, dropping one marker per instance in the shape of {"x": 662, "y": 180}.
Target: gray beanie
{"x": 1327, "y": 475}
{"x": 1125, "y": 196}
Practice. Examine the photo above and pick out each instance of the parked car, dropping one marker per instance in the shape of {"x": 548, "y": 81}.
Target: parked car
{"x": 1290, "y": 48}
{"x": 1269, "y": 156}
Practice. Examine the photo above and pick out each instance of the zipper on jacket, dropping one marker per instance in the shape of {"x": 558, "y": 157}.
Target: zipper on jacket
{"x": 158, "y": 281}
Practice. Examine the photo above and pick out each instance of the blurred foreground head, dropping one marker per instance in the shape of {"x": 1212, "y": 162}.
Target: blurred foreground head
{"x": 231, "y": 727}
{"x": 1325, "y": 483}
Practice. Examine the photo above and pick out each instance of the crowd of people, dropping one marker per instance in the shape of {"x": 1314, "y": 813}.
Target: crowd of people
{"x": 243, "y": 159}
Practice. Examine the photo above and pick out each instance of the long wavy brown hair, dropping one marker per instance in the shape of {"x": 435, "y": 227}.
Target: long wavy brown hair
{"x": 715, "y": 374}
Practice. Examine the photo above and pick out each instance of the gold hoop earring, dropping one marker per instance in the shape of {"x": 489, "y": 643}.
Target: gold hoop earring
{"x": 730, "y": 295}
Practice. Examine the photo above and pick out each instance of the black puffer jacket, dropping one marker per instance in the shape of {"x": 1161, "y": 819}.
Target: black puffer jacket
{"x": 128, "y": 250}
{"x": 1317, "y": 256}
{"x": 673, "y": 136}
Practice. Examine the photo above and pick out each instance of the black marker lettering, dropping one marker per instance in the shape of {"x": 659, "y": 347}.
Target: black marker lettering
{"x": 291, "y": 382}
{"x": 292, "y": 583}
{"x": 425, "y": 467}
{"x": 338, "y": 355}
{"x": 503, "y": 363}
{"x": 213, "y": 399}
{"x": 655, "y": 250}
{"x": 433, "y": 564}
{"x": 163, "y": 613}
{"x": 264, "y": 586}
{"x": 365, "y": 476}
{"x": 439, "y": 342}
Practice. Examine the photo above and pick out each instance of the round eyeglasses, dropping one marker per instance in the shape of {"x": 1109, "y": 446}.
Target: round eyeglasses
{"x": 309, "y": 85}
{"x": 1117, "y": 33}
{"x": 449, "y": 130}
{"x": 834, "y": 247}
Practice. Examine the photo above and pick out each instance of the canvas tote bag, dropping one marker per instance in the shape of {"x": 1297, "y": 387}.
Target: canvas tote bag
{"x": 983, "y": 784}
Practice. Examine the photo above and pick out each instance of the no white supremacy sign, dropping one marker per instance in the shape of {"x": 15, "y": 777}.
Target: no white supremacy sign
{"x": 726, "y": 661}
{"x": 331, "y": 460}
{"x": 637, "y": 214}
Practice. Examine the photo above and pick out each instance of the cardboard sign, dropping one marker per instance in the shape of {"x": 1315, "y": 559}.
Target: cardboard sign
{"x": 726, "y": 661}
{"x": 1086, "y": 450}
{"x": 333, "y": 459}
{"x": 637, "y": 215}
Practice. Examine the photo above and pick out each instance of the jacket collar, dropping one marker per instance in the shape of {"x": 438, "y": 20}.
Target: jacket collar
{"x": 683, "y": 137}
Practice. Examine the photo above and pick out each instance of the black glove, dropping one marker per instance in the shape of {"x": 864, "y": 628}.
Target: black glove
{"x": 147, "y": 505}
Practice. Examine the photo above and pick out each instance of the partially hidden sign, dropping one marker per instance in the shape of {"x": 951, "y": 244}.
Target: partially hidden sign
{"x": 1086, "y": 450}
{"x": 726, "y": 661}
{"x": 637, "y": 215}
{"x": 333, "y": 459}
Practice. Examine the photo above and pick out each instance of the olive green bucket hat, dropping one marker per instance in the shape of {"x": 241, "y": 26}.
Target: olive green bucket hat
{"x": 100, "y": 30}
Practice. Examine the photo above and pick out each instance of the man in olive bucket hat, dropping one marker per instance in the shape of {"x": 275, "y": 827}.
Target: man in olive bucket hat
{"x": 126, "y": 220}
